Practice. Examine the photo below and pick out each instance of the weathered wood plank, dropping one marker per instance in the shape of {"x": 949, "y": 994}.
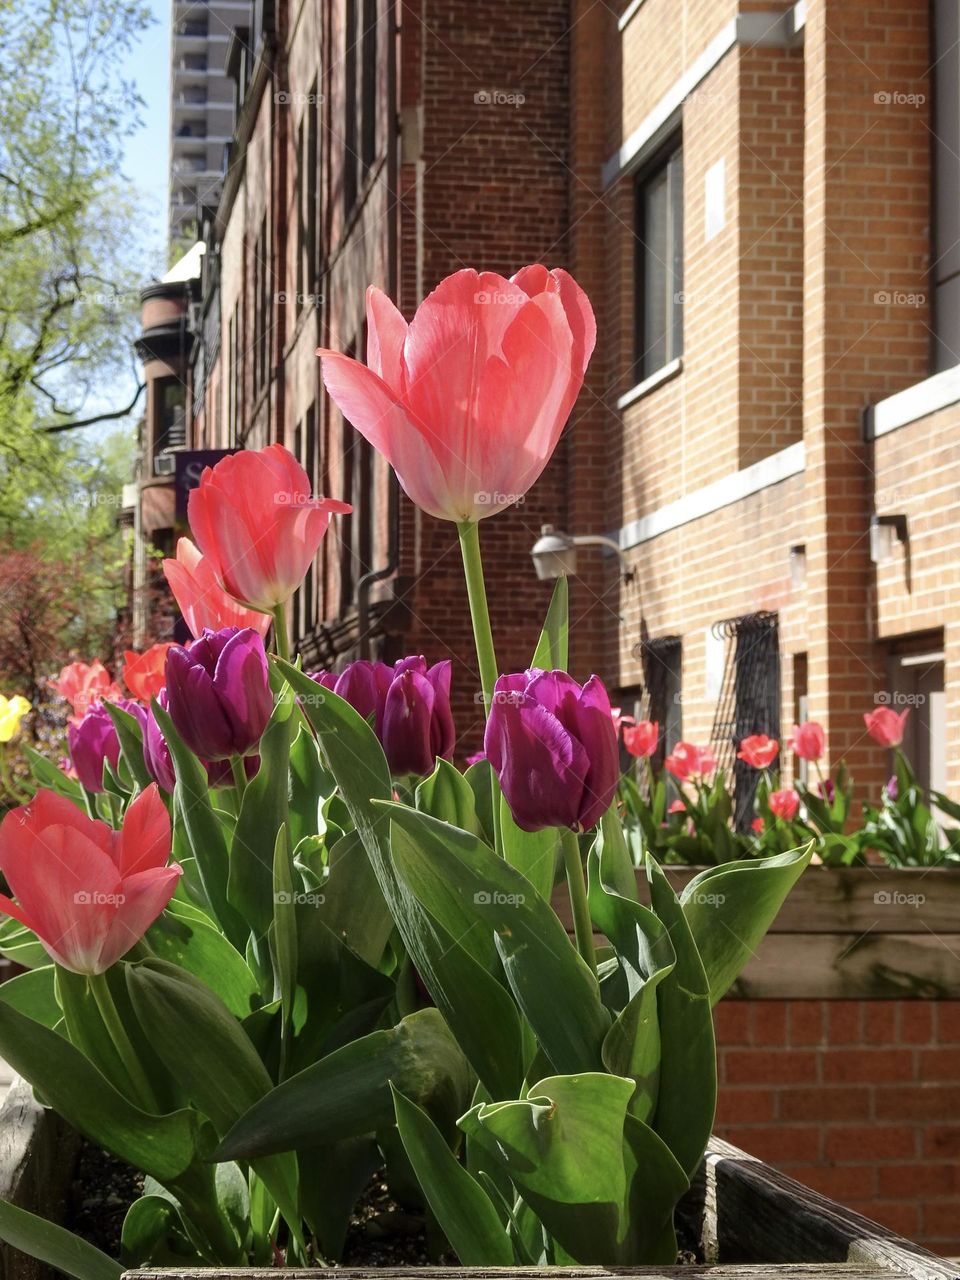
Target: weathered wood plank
{"x": 849, "y": 900}
{"x": 815, "y": 1271}
{"x": 752, "y": 1210}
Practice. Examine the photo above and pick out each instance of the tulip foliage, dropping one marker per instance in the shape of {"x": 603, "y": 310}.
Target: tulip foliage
{"x": 277, "y": 940}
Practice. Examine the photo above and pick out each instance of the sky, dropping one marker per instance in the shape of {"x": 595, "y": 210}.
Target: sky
{"x": 146, "y": 152}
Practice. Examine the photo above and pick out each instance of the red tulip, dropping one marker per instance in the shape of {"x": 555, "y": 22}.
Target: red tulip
{"x": 885, "y": 726}
{"x": 687, "y": 761}
{"x": 808, "y": 740}
{"x": 87, "y": 892}
{"x": 784, "y": 804}
{"x": 757, "y": 825}
{"x": 143, "y": 673}
{"x": 83, "y": 684}
{"x": 202, "y": 601}
{"x": 641, "y": 739}
{"x": 759, "y": 751}
{"x": 255, "y": 520}
{"x": 467, "y": 402}
{"x": 676, "y": 806}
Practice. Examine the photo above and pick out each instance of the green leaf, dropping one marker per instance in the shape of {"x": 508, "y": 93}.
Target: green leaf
{"x": 551, "y": 653}
{"x": 185, "y": 936}
{"x": 475, "y": 894}
{"x": 55, "y": 1246}
{"x": 204, "y": 834}
{"x": 34, "y": 993}
{"x": 463, "y": 1209}
{"x": 48, "y": 775}
{"x": 21, "y": 945}
{"x": 221, "y": 1072}
{"x": 533, "y": 853}
{"x": 687, "y": 1097}
{"x": 484, "y": 786}
{"x": 478, "y": 1010}
{"x": 283, "y": 938}
{"x": 131, "y": 743}
{"x": 264, "y": 809}
{"x": 163, "y": 1146}
{"x": 352, "y": 906}
{"x": 730, "y": 908}
{"x": 310, "y": 784}
{"x": 154, "y": 1233}
{"x": 447, "y": 795}
{"x": 347, "y": 1093}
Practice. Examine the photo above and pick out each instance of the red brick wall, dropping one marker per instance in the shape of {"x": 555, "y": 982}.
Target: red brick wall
{"x": 859, "y": 1099}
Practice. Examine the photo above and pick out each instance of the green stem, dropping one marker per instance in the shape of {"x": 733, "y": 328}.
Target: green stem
{"x": 469, "y": 533}
{"x": 140, "y": 1086}
{"x": 239, "y": 774}
{"x": 582, "y": 924}
{"x": 280, "y": 640}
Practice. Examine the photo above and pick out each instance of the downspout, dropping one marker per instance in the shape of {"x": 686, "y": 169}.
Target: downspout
{"x": 369, "y": 580}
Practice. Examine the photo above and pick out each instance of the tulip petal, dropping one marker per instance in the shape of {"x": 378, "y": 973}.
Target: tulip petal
{"x": 142, "y": 898}
{"x": 386, "y": 334}
{"x": 145, "y": 839}
{"x": 242, "y": 683}
{"x": 540, "y": 766}
{"x": 407, "y": 716}
{"x": 195, "y": 709}
{"x": 599, "y": 738}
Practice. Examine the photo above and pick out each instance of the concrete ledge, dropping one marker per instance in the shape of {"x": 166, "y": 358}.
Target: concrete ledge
{"x": 713, "y": 497}
{"x": 664, "y": 374}
{"x": 918, "y": 401}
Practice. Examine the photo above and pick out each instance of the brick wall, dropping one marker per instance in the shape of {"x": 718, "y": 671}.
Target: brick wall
{"x": 859, "y": 1099}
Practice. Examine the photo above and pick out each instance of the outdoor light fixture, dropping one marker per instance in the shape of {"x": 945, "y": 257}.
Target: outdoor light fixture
{"x": 555, "y": 553}
{"x": 884, "y": 532}
{"x": 798, "y": 564}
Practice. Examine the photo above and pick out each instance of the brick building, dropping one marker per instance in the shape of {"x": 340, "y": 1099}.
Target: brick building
{"x": 761, "y": 200}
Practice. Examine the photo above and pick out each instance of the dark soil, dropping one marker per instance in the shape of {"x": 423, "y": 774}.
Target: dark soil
{"x": 382, "y": 1234}
{"x": 103, "y": 1190}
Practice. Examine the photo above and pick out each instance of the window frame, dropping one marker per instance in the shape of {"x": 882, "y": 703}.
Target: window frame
{"x": 667, "y": 159}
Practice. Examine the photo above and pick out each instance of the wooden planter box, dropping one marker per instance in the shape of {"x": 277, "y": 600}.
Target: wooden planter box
{"x": 847, "y": 933}
{"x": 750, "y": 1222}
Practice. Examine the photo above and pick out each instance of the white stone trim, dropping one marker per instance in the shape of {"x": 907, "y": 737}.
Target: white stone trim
{"x": 663, "y": 374}
{"x": 714, "y": 497}
{"x": 765, "y": 28}
{"x": 915, "y": 402}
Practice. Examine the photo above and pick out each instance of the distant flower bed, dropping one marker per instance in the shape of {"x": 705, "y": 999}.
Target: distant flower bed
{"x": 684, "y": 814}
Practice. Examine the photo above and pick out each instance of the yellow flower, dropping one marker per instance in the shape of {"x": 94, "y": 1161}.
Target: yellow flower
{"x": 12, "y": 711}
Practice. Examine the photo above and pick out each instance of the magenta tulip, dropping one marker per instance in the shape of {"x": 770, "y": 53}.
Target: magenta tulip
{"x": 218, "y": 692}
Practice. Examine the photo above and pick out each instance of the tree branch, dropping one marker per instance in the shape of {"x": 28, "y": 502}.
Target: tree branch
{"x": 100, "y": 417}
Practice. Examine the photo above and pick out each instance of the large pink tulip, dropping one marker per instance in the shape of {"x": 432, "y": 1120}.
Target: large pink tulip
{"x": 202, "y": 601}
{"x": 256, "y": 521}
{"x": 87, "y": 892}
{"x": 467, "y": 402}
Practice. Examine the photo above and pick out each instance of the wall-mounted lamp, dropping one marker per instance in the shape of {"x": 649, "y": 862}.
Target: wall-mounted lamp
{"x": 555, "y": 553}
{"x": 885, "y": 531}
{"x": 798, "y": 564}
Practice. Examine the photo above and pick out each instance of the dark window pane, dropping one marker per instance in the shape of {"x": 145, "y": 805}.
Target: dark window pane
{"x": 660, "y": 265}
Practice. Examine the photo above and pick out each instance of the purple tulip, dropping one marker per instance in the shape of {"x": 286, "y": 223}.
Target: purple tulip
{"x": 893, "y": 788}
{"x": 827, "y": 790}
{"x": 157, "y": 758}
{"x": 218, "y": 692}
{"x": 94, "y": 740}
{"x": 553, "y": 745}
{"x": 409, "y": 707}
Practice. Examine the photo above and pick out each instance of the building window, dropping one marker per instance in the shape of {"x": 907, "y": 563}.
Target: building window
{"x": 350, "y": 108}
{"x": 307, "y": 187}
{"x": 261, "y": 311}
{"x": 169, "y": 422}
{"x": 916, "y": 681}
{"x": 659, "y": 217}
{"x": 945, "y": 160}
{"x": 661, "y": 661}
{"x": 368, "y": 86}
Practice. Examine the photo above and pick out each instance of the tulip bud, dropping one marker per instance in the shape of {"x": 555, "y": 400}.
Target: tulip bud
{"x": 93, "y": 740}
{"x": 553, "y": 745}
{"x": 409, "y": 708}
{"x": 159, "y": 762}
{"x": 218, "y": 692}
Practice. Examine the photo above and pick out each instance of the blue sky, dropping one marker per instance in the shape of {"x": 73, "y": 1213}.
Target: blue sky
{"x": 146, "y": 152}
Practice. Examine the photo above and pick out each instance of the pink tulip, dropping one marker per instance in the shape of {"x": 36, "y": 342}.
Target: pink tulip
{"x": 83, "y": 684}
{"x": 468, "y": 401}
{"x": 759, "y": 751}
{"x": 641, "y": 739}
{"x": 87, "y": 892}
{"x": 143, "y": 673}
{"x": 202, "y": 601}
{"x": 255, "y": 520}
{"x": 808, "y": 740}
{"x": 784, "y": 804}
{"x": 885, "y": 726}
{"x": 687, "y": 761}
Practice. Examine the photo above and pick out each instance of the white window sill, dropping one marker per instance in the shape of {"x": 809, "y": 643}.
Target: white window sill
{"x": 662, "y": 375}
{"x": 918, "y": 401}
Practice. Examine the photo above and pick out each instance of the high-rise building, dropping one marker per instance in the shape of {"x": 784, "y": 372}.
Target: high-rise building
{"x": 202, "y": 105}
